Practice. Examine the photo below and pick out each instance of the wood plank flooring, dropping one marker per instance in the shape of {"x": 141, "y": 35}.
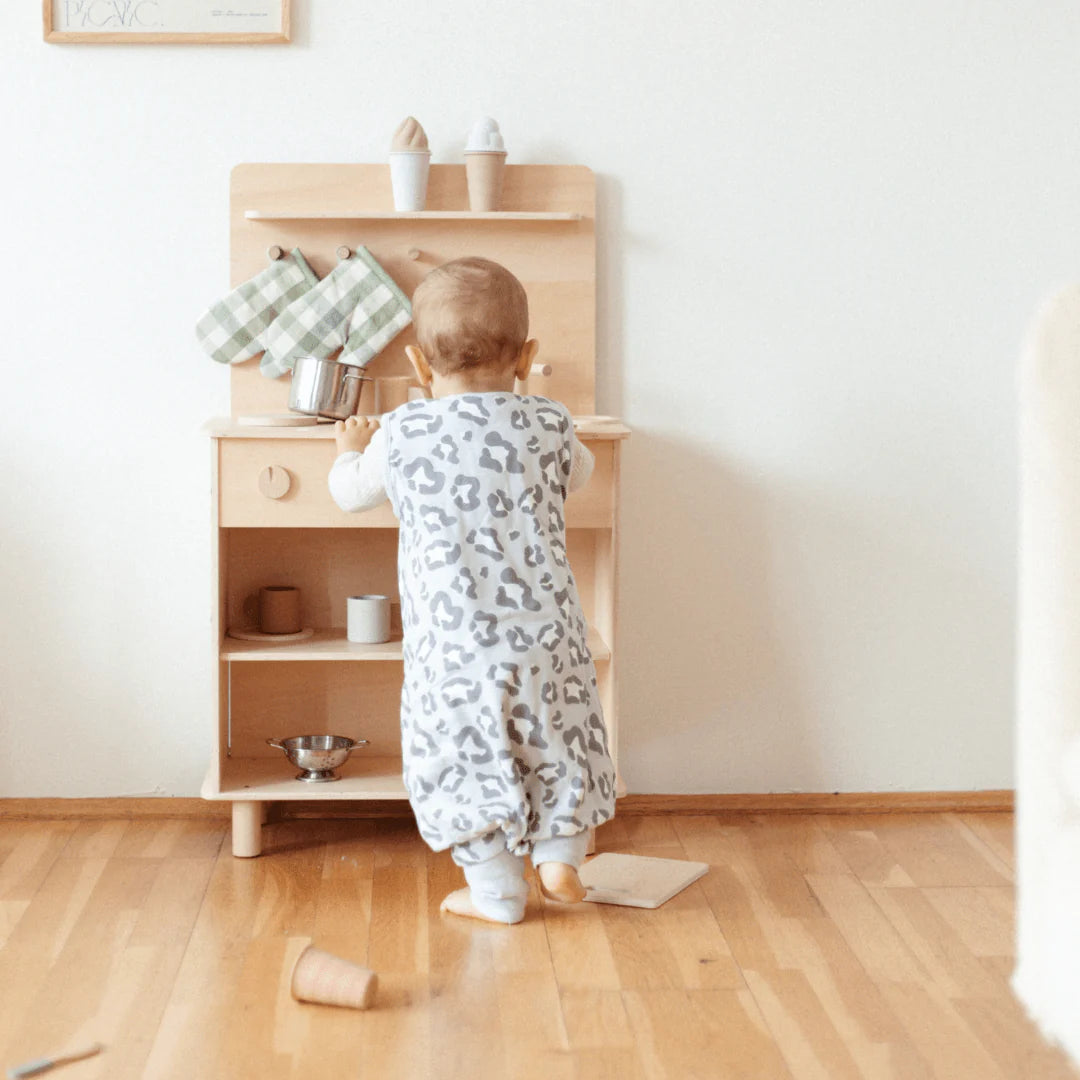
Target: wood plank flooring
{"x": 819, "y": 947}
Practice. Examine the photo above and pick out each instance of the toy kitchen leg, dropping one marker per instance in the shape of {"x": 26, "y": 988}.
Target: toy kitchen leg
{"x": 247, "y": 821}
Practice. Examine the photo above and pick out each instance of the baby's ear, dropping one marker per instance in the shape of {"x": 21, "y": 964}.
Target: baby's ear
{"x": 526, "y": 358}
{"x": 420, "y": 364}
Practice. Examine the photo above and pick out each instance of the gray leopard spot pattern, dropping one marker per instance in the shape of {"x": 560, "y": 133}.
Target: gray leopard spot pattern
{"x": 465, "y": 583}
{"x": 466, "y": 492}
{"x": 441, "y": 553}
{"x": 434, "y": 519}
{"x": 519, "y": 639}
{"x": 515, "y": 593}
{"x": 500, "y": 505}
{"x": 500, "y": 455}
{"x": 444, "y": 613}
{"x": 446, "y": 450}
{"x": 502, "y": 736}
{"x": 486, "y": 542}
{"x": 430, "y": 482}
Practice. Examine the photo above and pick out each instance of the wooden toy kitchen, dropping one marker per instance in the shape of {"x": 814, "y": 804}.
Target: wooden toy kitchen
{"x": 274, "y": 522}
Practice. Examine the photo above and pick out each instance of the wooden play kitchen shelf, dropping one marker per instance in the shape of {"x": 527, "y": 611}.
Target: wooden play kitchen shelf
{"x": 415, "y": 215}
{"x": 274, "y": 522}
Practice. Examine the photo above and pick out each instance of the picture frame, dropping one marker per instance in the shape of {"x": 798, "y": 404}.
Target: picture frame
{"x": 172, "y": 22}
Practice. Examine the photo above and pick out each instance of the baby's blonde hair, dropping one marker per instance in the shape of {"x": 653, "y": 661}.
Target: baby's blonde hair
{"x": 470, "y": 313}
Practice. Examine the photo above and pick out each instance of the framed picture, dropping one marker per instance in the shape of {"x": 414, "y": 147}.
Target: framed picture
{"x": 194, "y": 22}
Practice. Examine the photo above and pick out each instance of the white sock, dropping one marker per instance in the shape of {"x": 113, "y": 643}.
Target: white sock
{"x": 564, "y": 849}
{"x": 498, "y": 887}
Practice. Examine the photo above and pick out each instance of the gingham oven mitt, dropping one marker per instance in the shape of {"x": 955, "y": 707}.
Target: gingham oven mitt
{"x": 357, "y": 307}
{"x": 229, "y": 330}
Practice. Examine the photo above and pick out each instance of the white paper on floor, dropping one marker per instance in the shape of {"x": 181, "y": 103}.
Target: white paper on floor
{"x": 637, "y": 880}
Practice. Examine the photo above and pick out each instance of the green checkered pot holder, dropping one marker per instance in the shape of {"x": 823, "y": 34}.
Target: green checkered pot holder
{"x": 229, "y": 330}
{"x": 357, "y": 307}
{"x": 377, "y": 319}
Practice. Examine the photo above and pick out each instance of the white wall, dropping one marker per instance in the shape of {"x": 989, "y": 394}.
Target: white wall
{"x": 822, "y": 230}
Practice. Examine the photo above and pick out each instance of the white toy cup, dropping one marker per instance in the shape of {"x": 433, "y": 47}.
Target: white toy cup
{"x": 368, "y": 619}
{"x": 409, "y": 177}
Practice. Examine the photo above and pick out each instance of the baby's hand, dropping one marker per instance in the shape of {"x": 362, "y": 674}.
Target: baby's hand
{"x": 355, "y": 433}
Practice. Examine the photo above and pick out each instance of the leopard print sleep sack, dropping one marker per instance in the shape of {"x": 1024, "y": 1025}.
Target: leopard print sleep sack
{"x": 501, "y": 723}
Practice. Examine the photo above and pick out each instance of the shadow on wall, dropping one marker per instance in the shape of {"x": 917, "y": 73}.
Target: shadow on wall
{"x": 774, "y": 637}
{"x": 610, "y": 322}
{"x": 702, "y": 675}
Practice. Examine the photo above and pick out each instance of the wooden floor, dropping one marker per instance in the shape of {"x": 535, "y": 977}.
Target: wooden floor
{"x": 817, "y": 946}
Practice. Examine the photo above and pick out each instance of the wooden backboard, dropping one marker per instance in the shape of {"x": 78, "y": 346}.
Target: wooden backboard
{"x": 545, "y": 234}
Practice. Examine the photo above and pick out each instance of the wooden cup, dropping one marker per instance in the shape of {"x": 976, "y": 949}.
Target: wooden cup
{"x": 484, "y": 178}
{"x": 327, "y": 979}
{"x": 279, "y": 609}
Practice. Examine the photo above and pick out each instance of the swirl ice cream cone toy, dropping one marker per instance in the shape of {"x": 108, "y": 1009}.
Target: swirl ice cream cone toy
{"x": 485, "y": 160}
{"x": 410, "y": 162}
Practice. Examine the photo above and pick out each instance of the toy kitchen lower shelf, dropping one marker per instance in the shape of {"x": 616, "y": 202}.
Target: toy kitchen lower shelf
{"x": 251, "y": 777}
{"x": 272, "y": 779}
{"x": 333, "y": 645}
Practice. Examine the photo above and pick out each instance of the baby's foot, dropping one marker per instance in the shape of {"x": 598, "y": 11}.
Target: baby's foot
{"x": 560, "y": 881}
{"x": 460, "y": 902}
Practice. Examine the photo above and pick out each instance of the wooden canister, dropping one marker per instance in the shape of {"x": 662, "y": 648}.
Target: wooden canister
{"x": 279, "y": 609}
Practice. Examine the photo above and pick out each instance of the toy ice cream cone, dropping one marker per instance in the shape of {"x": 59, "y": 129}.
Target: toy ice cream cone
{"x": 484, "y": 175}
{"x": 327, "y": 979}
{"x": 410, "y": 163}
{"x": 485, "y": 161}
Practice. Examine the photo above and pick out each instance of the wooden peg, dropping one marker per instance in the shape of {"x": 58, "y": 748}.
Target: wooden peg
{"x": 521, "y": 386}
{"x": 344, "y": 252}
{"x": 414, "y": 254}
{"x": 273, "y": 252}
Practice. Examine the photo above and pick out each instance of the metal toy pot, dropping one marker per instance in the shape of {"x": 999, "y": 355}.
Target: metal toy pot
{"x": 322, "y": 387}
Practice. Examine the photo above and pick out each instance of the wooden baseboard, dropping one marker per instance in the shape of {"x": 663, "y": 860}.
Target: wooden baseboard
{"x": 820, "y": 802}
{"x": 811, "y": 802}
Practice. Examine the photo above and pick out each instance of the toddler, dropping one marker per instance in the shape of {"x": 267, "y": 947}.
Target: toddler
{"x": 503, "y": 742}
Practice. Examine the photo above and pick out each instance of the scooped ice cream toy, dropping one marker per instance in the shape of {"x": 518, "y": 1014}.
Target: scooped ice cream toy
{"x": 485, "y": 138}
{"x": 410, "y": 162}
{"x": 485, "y": 158}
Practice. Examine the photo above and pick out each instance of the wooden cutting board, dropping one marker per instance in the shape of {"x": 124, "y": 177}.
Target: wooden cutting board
{"x": 637, "y": 880}
{"x": 278, "y": 420}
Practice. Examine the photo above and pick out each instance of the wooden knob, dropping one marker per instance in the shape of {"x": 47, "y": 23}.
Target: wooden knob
{"x": 274, "y": 481}
{"x": 273, "y": 253}
{"x": 344, "y": 251}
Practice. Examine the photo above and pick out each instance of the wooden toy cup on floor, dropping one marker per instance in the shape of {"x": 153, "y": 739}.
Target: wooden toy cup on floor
{"x": 326, "y": 979}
